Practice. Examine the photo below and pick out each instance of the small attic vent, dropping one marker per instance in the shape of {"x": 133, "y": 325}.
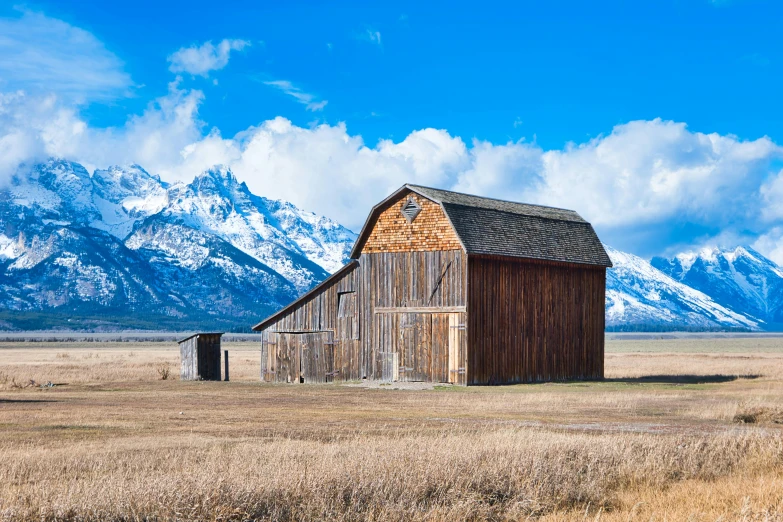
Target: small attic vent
{"x": 411, "y": 209}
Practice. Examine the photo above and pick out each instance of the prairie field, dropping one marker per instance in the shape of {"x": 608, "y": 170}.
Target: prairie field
{"x": 680, "y": 429}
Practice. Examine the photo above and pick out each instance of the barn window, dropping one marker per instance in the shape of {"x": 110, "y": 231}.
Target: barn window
{"x": 347, "y": 316}
{"x": 411, "y": 209}
{"x": 346, "y": 302}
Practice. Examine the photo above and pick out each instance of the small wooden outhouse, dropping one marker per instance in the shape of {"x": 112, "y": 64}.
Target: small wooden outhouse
{"x": 200, "y": 356}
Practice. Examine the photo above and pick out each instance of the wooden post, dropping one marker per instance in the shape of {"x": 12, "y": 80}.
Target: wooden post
{"x": 225, "y": 360}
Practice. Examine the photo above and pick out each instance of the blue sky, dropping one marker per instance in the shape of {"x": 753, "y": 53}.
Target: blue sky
{"x": 652, "y": 119}
{"x": 562, "y": 71}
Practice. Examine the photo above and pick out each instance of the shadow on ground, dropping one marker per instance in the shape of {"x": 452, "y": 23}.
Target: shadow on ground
{"x": 682, "y": 379}
{"x": 23, "y": 401}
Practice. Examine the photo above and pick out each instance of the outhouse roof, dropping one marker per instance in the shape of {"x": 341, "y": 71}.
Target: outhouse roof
{"x": 191, "y": 336}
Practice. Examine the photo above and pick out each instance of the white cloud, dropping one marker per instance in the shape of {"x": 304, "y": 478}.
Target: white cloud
{"x": 39, "y": 54}
{"x": 33, "y": 128}
{"x": 772, "y": 198}
{"x": 651, "y": 171}
{"x": 645, "y": 186}
{"x": 305, "y": 98}
{"x": 372, "y": 36}
{"x": 770, "y": 243}
{"x": 199, "y": 60}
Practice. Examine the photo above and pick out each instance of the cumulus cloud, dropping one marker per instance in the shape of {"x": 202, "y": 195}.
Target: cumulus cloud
{"x": 39, "y": 54}
{"x": 199, "y": 60}
{"x": 650, "y": 171}
{"x": 33, "y": 128}
{"x": 645, "y": 186}
{"x": 310, "y": 101}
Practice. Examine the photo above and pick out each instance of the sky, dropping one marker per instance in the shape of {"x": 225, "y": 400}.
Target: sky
{"x": 659, "y": 121}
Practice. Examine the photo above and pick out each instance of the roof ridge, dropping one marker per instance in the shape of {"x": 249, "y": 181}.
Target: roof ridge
{"x": 549, "y": 218}
{"x": 412, "y": 185}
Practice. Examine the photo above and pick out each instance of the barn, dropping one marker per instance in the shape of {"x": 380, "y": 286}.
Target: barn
{"x": 454, "y": 288}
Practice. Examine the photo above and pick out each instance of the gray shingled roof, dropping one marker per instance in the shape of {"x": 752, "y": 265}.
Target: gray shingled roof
{"x": 493, "y": 232}
{"x": 524, "y": 209}
{"x": 487, "y": 226}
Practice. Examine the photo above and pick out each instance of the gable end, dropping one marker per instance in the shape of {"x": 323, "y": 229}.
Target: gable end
{"x": 410, "y": 222}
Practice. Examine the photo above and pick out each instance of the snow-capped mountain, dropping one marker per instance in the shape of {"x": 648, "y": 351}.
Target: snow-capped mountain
{"x": 123, "y": 242}
{"x": 738, "y": 278}
{"x": 639, "y": 296}
{"x": 121, "y": 248}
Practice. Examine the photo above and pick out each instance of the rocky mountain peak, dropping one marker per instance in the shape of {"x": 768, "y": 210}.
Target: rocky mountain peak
{"x": 122, "y": 240}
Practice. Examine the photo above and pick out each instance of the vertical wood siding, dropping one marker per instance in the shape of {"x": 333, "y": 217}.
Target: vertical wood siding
{"x": 532, "y": 321}
{"x": 334, "y": 352}
{"x": 362, "y": 337}
{"x": 400, "y": 281}
{"x": 200, "y": 358}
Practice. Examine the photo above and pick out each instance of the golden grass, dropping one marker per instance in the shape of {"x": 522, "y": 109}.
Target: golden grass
{"x": 660, "y": 439}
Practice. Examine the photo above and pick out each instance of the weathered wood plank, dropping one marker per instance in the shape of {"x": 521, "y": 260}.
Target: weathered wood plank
{"x": 418, "y": 309}
{"x": 534, "y": 321}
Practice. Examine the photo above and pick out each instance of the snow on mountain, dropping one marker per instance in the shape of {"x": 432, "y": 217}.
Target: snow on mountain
{"x": 121, "y": 241}
{"x": 124, "y": 196}
{"x": 738, "y": 278}
{"x": 300, "y": 246}
{"x": 638, "y": 296}
{"x": 56, "y": 190}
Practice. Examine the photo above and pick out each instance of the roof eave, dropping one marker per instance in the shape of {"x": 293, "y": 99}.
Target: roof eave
{"x": 270, "y": 319}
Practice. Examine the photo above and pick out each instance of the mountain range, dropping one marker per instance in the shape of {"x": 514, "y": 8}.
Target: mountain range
{"x": 119, "y": 248}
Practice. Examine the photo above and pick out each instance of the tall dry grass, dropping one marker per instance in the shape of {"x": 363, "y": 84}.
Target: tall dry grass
{"x": 651, "y": 443}
{"x": 501, "y": 475}
{"x": 93, "y": 362}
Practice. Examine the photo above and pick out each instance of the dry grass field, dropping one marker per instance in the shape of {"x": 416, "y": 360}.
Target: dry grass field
{"x": 683, "y": 429}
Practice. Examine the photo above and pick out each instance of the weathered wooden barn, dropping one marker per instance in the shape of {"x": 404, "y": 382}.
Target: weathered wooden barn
{"x": 449, "y": 287}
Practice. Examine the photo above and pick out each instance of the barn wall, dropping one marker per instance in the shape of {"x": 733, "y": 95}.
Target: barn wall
{"x": 429, "y": 231}
{"x": 531, "y": 321}
{"x": 337, "y": 325}
{"x": 394, "y": 285}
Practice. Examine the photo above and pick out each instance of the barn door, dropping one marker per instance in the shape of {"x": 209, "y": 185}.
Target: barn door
{"x": 415, "y": 331}
{"x": 288, "y": 357}
{"x": 457, "y": 348}
{"x": 317, "y": 357}
{"x": 440, "y": 347}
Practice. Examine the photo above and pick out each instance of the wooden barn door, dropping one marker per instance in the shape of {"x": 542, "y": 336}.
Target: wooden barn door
{"x": 317, "y": 357}
{"x": 457, "y": 348}
{"x": 448, "y": 348}
{"x": 431, "y": 347}
{"x": 415, "y": 346}
{"x": 288, "y": 357}
{"x": 305, "y": 357}
{"x": 439, "y": 370}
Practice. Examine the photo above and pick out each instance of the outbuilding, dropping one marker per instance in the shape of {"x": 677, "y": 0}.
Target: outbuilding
{"x": 450, "y": 287}
{"x": 200, "y": 357}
